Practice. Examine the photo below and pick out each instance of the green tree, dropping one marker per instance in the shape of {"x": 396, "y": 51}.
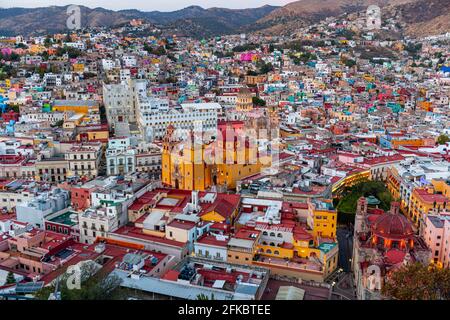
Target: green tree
{"x": 350, "y": 63}
{"x": 258, "y": 102}
{"x": 95, "y": 285}
{"x": 58, "y": 124}
{"x": 346, "y": 206}
{"x": 418, "y": 282}
{"x": 48, "y": 41}
{"x": 10, "y": 278}
{"x": 443, "y": 139}
{"x": 203, "y": 296}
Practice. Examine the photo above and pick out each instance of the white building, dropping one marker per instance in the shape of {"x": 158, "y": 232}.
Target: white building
{"x": 120, "y": 100}
{"x": 96, "y": 223}
{"x": 129, "y": 61}
{"x": 84, "y": 159}
{"x": 34, "y": 211}
{"x": 120, "y": 157}
{"x": 155, "y": 115}
{"x": 51, "y": 80}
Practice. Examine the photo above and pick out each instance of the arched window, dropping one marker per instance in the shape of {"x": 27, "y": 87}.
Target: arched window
{"x": 276, "y": 252}
{"x": 280, "y": 235}
{"x": 268, "y": 251}
{"x": 265, "y": 233}
{"x": 272, "y": 234}
{"x": 272, "y": 244}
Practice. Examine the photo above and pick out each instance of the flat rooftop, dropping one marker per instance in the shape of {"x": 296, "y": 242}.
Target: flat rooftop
{"x": 64, "y": 218}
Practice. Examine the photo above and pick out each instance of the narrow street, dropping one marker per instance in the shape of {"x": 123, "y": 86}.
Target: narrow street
{"x": 343, "y": 279}
{"x": 345, "y": 242}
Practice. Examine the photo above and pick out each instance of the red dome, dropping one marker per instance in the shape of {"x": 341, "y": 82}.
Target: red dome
{"x": 393, "y": 226}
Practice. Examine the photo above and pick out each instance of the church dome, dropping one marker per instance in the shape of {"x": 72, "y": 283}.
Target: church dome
{"x": 393, "y": 226}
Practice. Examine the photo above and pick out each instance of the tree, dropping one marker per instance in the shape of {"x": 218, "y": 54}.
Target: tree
{"x": 58, "y": 124}
{"x": 95, "y": 285}
{"x": 266, "y": 68}
{"x": 10, "y": 278}
{"x": 259, "y": 102}
{"x": 350, "y": 63}
{"x": 418, "y": 282}
{"x": 48, "y": 41}
{"x": 22, "y": 46}
{"x": 346, "y": 207}
{"x": 443, "y": 139}
{"x": 203, "y": 296}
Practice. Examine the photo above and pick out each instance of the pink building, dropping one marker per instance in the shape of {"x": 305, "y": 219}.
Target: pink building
{"x": 436, "y": 234}
{"x": 248, "y": 56}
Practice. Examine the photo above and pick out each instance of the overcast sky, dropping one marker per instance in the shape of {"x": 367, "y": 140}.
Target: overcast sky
{"x": 146, "y": 5}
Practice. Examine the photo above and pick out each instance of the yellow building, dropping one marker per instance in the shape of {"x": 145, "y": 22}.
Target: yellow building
{"x": 182, "y": 167}
{"x": 350, "y": 180}
{"x": 253, "y": 80}
{"x": 294, "y": 249}
{"x": 244, "y": 101}
{"x": 190, "y": 166}
{"x": 78, "y": 67}
{"x": 396, "y": 143}
{"x": 322, "y": 218}
{"x": 441, "y": 186}
{"x": 77, "y": 106}
{"x": 426, "y": 201}
{"x": 92, "y": 134}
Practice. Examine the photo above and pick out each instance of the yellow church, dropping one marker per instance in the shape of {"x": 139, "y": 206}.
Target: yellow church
{"x": 218, "y": 163}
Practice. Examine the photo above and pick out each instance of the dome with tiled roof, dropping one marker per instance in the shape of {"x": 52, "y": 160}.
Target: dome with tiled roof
{"x": 393, "y": 226}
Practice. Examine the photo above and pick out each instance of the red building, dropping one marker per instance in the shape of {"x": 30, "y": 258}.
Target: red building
{"x": 80, "y": 196}
{"x": 10, "y": 115}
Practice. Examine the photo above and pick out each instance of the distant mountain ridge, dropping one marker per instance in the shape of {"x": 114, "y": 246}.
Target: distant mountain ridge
{"x": 212, "y": 21}
{"x": 420, "y": 17}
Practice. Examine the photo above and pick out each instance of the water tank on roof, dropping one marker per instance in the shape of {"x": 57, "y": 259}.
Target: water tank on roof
{"x": 99, "y": 248}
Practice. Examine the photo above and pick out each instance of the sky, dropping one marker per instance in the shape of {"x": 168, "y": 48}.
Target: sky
{"x": 145, "y": 5}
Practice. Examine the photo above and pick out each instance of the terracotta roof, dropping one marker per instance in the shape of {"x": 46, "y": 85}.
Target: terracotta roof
{"x": 393, "y": 226}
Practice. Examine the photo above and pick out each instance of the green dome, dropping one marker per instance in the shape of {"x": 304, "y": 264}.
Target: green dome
{"x": 371, "y": 200}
